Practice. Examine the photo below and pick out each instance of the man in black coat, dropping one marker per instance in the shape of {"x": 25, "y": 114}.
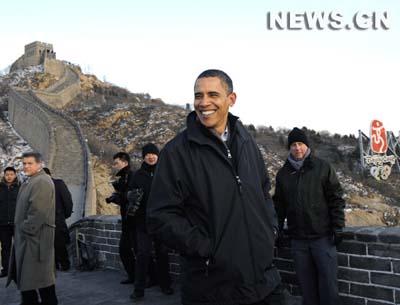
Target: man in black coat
{"x": 210, "y": 201}
{"x": 142, "y": 181}
{"x": 9, "y": 187}
{"x": 64, "y": 207}
{"x": 309, "y": 195}
{"x": 121, "y": 163}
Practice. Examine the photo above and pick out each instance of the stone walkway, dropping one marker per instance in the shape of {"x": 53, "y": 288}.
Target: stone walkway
{"x": 100, "y": 287}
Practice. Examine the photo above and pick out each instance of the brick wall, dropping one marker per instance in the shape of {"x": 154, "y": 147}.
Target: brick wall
{"x": 103, "y": 233}
{"x": 369, "y": 260}
{"x": 369, "y": 266}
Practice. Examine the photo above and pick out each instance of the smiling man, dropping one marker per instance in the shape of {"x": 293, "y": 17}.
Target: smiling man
{"x": 210, "y": 201}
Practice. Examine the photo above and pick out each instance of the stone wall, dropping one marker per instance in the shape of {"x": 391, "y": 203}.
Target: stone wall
{"x": 369, "y": 266}
{"x": 369, "y": 260}
{"x": 54, "y": 67}
{"x": 60, "y": 140}
{"x": 32, "y": 123}
{"x": 64, "y": 91}
{"x": 103, "y": 233}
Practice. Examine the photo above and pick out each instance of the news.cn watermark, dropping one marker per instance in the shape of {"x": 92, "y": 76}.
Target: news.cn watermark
{"x": 321, "y": 20}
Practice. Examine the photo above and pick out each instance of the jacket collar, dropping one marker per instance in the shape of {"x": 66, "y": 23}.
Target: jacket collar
{"x": 123, "y": 171}
{"x": 308, "y": 163}
{"x": 13, "y": 184}
{"x": 200, "y": 134}
{"x": 148, "y": 168}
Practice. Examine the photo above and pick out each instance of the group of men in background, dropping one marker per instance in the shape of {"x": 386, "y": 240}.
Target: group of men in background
{"x": 132, "y": 190}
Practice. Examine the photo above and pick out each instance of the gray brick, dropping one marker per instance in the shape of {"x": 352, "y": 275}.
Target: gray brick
{"x": 384, "y": 250}
{"x": 113, "y": 241}
{"x": 109, "y": 226}
{"x": 353, "y": 275}
{"x": 372, "y": 292}
{"x": 348, "y": 233}
{"x": 344, "y": 287}
{"x": 396, "y": 266}
{"x": 397, "y": 294}
{"x": 114, "y": 234}
{"x": 100, "y": 240}
{"x": 390, "y": 235}
{"x": 368, "y": 234}
{"x": 370, "y": 302}
{"x": 353, "y": 247}
{"x": 288, "y": 277}
{"x": 282, "y": 264}
{"x": 369, "y": 263}
{"x": 391, "y": 280}
{"x": 343, "y": 260}
{"x": 349, "y": 300}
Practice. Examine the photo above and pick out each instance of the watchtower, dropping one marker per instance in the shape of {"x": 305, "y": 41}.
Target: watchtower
{"x": 35, "y": 54}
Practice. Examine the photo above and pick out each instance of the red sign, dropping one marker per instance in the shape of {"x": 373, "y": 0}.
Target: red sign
{"x": 379, "y": 143}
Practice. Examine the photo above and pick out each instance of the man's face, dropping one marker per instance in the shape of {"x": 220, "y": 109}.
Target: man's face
{"x": 151, "y": 159}
{"x": 119, "y": 164}
{"x": 212, "y": 102}
{"x": 30, "y": 166}
{"x": 9, "y": 176}
{"x": 298, "y": 150}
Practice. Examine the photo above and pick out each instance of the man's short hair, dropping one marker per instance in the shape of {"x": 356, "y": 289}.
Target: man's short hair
{"x": 10, "y": 169}
{"x": 223, "y": 77}
{"x": 33, "y": 154}
{"x": 123, "y": 156}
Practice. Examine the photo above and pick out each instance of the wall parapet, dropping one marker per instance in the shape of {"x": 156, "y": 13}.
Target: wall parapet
{"x": 368, "y": 259}
{"x": 18, "y": 100}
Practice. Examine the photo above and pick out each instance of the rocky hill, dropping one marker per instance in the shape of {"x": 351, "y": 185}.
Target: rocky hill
{"x": 114, "y": 119}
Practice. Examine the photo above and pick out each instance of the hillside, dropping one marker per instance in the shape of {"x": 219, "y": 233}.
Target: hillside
{"x": 114, "y": 119}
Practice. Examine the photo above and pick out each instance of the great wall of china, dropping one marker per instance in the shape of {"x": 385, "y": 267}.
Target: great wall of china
{"x": 38, "y": 118}
{"x": 369, "y": 257}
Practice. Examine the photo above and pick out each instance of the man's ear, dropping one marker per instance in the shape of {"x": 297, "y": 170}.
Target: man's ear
{"x": 232, "y": 98}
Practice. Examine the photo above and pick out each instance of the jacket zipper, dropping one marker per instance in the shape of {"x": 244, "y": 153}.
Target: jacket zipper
{"x": 239, "y": 184}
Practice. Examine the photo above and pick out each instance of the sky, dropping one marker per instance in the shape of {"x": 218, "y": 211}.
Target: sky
{"x": 338, "y": 81}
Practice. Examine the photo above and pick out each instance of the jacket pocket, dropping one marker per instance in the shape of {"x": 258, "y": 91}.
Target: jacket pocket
{"x": 46, "y": 242}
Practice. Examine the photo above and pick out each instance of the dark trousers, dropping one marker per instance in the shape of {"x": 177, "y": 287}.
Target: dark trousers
{"x": 60, "y": 249}
{"x": 6, "y": 234}
{"x": 162, "y": 264}
{"x": 316, "y": 268}
{"x": 127, "y": 248}
{"x": 47, "y": 296}
{"x": 143, "y": 260}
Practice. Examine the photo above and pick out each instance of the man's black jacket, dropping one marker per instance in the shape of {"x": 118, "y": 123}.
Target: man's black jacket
{"x": 122, "y": 186}
{"x": 64, "y": 204}
{"x": 142, "y": 179}
{"x": 213, "y": 206}
{"x": 310, "y": 198}
{"x": 8, "y": 199}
